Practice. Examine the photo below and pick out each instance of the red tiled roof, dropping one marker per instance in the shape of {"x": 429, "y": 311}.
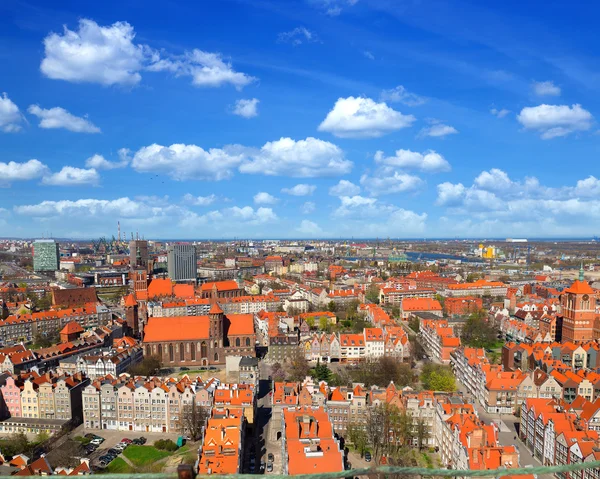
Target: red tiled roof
{"x": 177, "y": 328}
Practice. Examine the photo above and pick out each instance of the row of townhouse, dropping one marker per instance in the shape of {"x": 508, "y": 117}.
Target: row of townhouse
{"x": 113, "y": 362}
{"x": 372, "y": 343}
{"x": 477, "y": 288}
{"x": 575, "y": 356}
{"x": 438, "y": 339}
{"x": 560, "y": 434}
{"x": 452, "y": 426}
{"x": 394, "y": 297}
{"x": 41, "y": 397}
{"x": 147, "y": 404}
{"x": 25, "y": 327}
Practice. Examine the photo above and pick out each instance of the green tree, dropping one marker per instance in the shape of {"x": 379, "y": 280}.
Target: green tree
{"x": 331, "y": 306}
{"x": 298, "y": 369}
{"x": 372, "y": 294}
{"x": 358, "y": 437}
{"x": 321, "y": 372}
{"x": 437, "y": 377}
{"x": 324, "y": 324}
{"x": 478, "y": 332}
{"x": 149, "y": 366}
{"x": 310, "y": 321}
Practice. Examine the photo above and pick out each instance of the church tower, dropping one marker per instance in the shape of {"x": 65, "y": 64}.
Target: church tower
{"x": 578, "y": 304}
{"x": 131, "y": 314}
{"x": 216, "y": 318}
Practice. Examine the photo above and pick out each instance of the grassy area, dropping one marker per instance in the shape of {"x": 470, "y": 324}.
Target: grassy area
{"x": 193, "y": 372}
{"x": 144, "y": 455}
{"x": 118, "y": 466}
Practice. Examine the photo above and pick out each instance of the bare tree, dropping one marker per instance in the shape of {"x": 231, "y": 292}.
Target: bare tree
{"x": 193, "y": 419}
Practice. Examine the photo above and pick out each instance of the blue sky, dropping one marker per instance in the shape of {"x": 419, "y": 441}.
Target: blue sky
{"x": 307, "y": 118}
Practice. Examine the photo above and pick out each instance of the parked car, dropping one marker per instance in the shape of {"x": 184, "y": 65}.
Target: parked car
{"x": 126, "y": 440}
{"x": 114, "y": 451}
{"x": 368, "y": 456}
{"x": 143, "y": 439}
{"x": 270, "y": 457}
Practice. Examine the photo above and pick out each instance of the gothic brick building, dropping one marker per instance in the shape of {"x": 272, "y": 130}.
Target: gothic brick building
{"x": 200, "y": 340}
{"x": 578, "y": 312}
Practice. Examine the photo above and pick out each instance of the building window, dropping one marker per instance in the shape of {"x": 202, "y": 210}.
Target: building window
{"x": 216, "y": 356}
{"x": 181, "y": 352}
{"x": 203, "y": 350}
{"x": 237, "y": 342}
{"x": 193, "y": 351}
{"x": 247, "y": 341}
{"x": 171, "y": 355}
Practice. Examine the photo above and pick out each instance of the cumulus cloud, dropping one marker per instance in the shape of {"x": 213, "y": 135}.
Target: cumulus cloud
{"x": 108, "y": 55}
{"x": 10, "y": 116}
{"x": 552, "y": 121}
{"x": 301, "y": 189}
{"x": 13, "y": 171}
{"x": 368, "y": 54}
{"x": 199, "y": 200}
{"x": 186, "y": 162}
{"x": 263, "y": 198}
{"x": 386, "y": 181}
{"x": 298, "y": 36}
{"x": 499, "y": 113}
{"x": 253, "y": 216}
{"x": 98, "y": 162}
{"x": 302, "y": 159}
{"x": 344, "y": 188}
{"x": 58, "y": 117}
{"x": 437, "y": 130}
{"x": 309, "y": 228}
{"x": 246, "y": 108}
{"x": 429, "y": 161}
{"x": 308, "y": 207}
{"x": 362, "y": 117}
{"x": 494, "y": 195}
{"x": 545, "y": 88}
{"x": 71, "y": 176}
{"x": 205, "y": 68}
{"x": 402, "y": 95}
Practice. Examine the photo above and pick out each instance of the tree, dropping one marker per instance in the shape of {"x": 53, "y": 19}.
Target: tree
{"x": 372, "y": 294}
{"x": 324, "y": 323}
{"x": 437, "y": 377}
{"x": 321, "y": 372}
{"x": 310, "y": 321}
{"x": 277, "y": 372}
{"x": 395, "y": 311}
{"x": 382, "y": 371}
{"x": 43, "y": 340}
{"x": 193, "y": 419}
{"x": 478, "y": 332}
{"x": 299, "y": 369}
{"x": 422, "y": 433}
{"x": 331, "y": 306}
{"x": 414, "y": 324}
{"x": 357, "y": 435}
{"x": 149, "y": 366}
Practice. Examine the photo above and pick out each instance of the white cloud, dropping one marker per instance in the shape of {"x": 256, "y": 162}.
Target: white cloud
{"x": 590, "y": 187}
{"x": 308, "y": 207}
{"x": 363, "y": 118}
{"x": 450, "y": 194}
{"x": 386, "y": 181}
{"x": 301, "y": 159}
{"x": 555, "y": 120}
{"x": 263, "y": 198}
{"x": 493, "y": 180}
{"x": 246, "y": 108}
{"x": 95, "y": 54}
{"x": 98, "y": 162}
{"x": 71, "y": 176}
{"x": 355, "y": 206}
{"x": 206, "y": 69}
{"x": 13, "y": 171}
{"x": 186, "y": 162}
{"x": 344, "y": 188}
{"x": 309, "y": 228}
{"x": 298, "y": 36}
{"x": 252, "y": 216}
{"x": 368, "y": 54}
{"x": 301, "y": 189}
{"x": 429, "y": 161}
{"x": 199, "y": 200}
{"x": 108, "y": 55}
{"x": 546, "y": 88}
{"x": 402, "y": 95}
{"x": 58, "y": 117}
{"x": 333, "y": 7}
{"x": 438, "y": 130}
{"x": 499, "y": 113}
{"x": 10, "y": 116}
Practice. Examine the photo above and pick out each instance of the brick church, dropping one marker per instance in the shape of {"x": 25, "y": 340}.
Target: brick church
{"x": 200, "y": 340}
{"x": 580, "y": 321}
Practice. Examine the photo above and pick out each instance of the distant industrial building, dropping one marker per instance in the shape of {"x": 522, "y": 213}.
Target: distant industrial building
{"x": 182, "y": 262}
{"x": 45, "y": 255}
{"x": 138, "y": 253}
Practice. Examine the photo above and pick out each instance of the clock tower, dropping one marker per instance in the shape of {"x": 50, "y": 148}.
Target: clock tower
{"x": 578, "y": 304}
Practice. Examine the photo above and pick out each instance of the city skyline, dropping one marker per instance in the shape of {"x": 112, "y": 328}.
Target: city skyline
{"x": 324, "y": 119}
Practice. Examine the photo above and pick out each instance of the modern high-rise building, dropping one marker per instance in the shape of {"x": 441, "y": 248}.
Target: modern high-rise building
{"x": 45, "y": 255}
{"x": 182, "y": 262}
{"x": 138, "y": 253}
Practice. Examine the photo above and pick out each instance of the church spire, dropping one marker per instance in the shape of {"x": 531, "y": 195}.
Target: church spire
{"x": 581, "y": 278}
